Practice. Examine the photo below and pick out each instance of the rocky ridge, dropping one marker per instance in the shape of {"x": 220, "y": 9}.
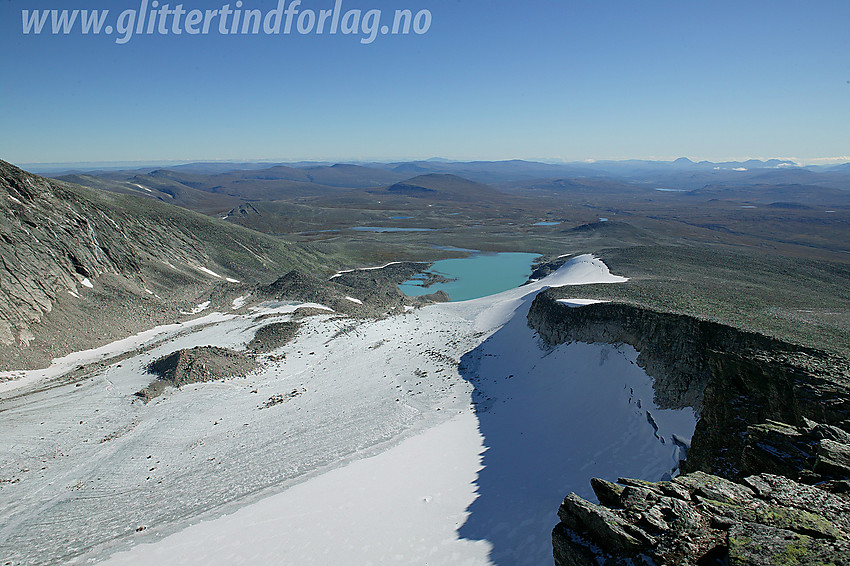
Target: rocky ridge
{"x": 359, "y": 292}
{"x": 273, "y": 336}
{"x": 196, "y": 365}
{"x": 109, "y": 265}
{"x": 773, "y": 434}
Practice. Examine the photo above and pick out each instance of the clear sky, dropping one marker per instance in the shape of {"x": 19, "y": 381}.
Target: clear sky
{"x": 490, "y": 79}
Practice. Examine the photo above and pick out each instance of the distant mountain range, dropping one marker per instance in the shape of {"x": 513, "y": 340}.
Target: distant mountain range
{"x": 521, "y": 167}
{"x": 212, "y": 189}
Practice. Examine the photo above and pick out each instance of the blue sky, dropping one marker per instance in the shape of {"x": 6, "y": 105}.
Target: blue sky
{"x": 494, "y": 79}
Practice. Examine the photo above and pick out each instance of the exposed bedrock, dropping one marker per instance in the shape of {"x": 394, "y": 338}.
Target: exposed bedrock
{"x": 701, "y": 519}
{"x": 196, "y": 365}
{"x": 765, "y": 407}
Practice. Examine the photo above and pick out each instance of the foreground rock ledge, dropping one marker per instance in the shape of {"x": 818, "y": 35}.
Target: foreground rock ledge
{"x": 700, "y": 519}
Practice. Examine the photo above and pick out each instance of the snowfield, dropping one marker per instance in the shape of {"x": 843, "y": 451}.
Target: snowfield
{"x": 444, "y": 435}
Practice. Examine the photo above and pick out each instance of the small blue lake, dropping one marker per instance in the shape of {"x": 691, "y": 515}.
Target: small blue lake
{"x": 475, "y": 276}
{"x": 382, "y": 229}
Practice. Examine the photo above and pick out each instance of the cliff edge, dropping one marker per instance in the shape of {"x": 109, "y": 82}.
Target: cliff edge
{"x": 766, "y": 476}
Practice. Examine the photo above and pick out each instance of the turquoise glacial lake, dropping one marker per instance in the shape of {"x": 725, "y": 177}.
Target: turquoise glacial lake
{"x": 475, "y": 276}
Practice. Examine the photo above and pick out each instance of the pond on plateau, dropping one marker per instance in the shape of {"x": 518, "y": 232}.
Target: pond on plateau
{"x": 475, "y": 276}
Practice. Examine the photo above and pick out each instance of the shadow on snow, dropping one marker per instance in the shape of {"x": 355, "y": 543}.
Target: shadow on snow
{"x": 552, "y": 418}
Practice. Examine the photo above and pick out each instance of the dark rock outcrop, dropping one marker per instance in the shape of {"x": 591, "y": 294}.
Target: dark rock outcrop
{"x": 273, "y": 336}
{"x": 542, "y": 269}
{"x": 751, "y": 388}
{"x": 196, "y": 365}
{"x": 701, "y": 519}
{"x": 811, "y": 453}
{"x": 300, "y": 286}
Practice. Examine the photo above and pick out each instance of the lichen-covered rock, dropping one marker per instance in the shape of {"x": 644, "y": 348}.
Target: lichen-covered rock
{"x": 754, "y": 544}
{"x": 609, "y": 530}
{"x": 703, "y": 519}
{"x": 812, "y": 453}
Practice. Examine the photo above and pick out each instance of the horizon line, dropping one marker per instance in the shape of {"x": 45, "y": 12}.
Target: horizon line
{"x": 815, "y": 161}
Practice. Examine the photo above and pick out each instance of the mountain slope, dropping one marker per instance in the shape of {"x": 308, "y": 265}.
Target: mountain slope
{"x": 214, "y": 192}
{"x": 106, "y": 264}
{"x": 158, "y": 187}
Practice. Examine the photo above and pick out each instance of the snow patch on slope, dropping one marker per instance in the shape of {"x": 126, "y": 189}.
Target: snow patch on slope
{"x": 210, "y": 272}
{"x": 579, "y": 302}
{"x": 206, "y": 270}
{"x": 583, "y": 270}
{"x": 198, "y": 309}
{"x": 338, "y": 273}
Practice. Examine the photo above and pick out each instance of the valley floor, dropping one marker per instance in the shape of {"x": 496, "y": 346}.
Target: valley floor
{"x": 448, "y": 434}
